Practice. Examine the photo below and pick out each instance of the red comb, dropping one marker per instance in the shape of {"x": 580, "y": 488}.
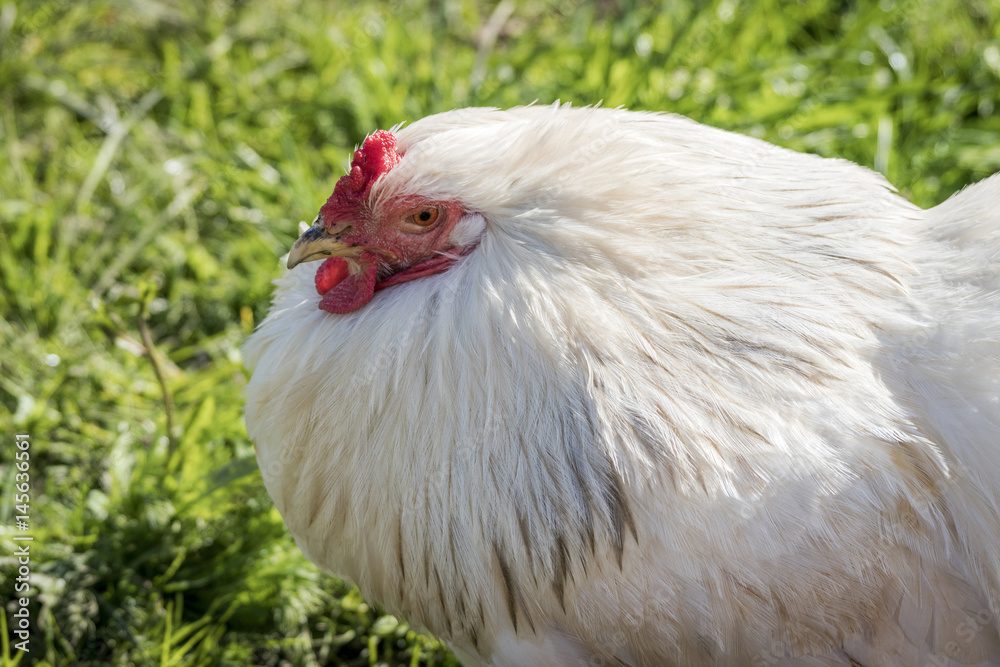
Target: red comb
{"x": 375, "y": 158}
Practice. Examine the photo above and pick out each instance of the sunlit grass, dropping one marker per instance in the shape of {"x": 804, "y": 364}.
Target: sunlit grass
{"x": 157, "y": 159}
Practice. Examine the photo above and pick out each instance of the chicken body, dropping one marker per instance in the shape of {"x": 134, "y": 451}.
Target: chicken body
{"x": 683, "y": 398}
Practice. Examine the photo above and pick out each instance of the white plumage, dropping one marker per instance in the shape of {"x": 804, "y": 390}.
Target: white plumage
{"x": 690, "y": 399}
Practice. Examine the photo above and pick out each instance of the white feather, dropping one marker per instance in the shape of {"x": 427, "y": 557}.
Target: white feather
{"x": 694, "y": 399}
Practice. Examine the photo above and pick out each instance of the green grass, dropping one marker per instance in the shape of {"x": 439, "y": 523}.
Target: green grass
{"x": 157, "y": 157}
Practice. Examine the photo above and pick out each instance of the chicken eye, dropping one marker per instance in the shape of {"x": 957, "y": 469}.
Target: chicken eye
{"x": 425, "y": 217}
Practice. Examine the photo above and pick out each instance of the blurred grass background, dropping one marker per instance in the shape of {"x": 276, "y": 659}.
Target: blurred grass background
{"x": 157, "y": 157}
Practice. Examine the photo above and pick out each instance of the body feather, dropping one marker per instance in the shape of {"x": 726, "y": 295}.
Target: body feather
{"x": 693, "y": 400}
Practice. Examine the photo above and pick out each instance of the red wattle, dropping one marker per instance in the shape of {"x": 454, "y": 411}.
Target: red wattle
{"x": 330, "y": 274}
{"x": 343, "y": 292}
{"x": 351, "y": 292}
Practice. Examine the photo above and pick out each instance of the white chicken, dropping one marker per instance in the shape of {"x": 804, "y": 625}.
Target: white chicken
{"x": 590, "y": 386}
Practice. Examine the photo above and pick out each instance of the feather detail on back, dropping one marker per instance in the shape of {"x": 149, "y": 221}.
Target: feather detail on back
{"x": 693, "y": 400}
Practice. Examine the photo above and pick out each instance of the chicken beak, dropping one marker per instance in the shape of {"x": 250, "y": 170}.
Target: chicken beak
{"x": 317, "y": 243}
